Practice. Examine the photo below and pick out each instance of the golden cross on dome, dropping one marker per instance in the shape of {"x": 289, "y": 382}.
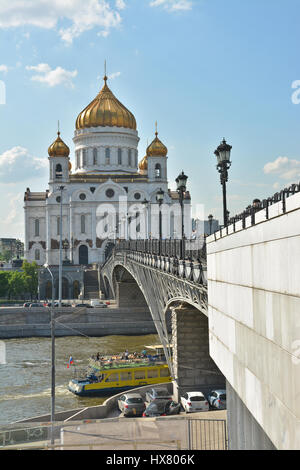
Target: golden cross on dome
{"x": 156, "y": 133}
{"x": 105, "y": 76}
{"x": 58, "y": 131}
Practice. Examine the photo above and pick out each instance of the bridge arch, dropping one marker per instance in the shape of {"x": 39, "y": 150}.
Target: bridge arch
{"x": 175, "y": 307}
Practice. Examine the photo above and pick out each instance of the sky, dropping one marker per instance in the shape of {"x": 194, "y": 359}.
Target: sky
{"x": 203, "y": 69}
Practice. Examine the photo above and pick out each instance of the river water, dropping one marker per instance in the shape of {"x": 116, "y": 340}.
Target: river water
{"x": 25, "y": 379}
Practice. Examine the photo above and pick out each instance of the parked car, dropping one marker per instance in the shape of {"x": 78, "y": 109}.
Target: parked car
{"x": 26, "y": 304}
{"x": 162, "y": 407}
{"x": 96, "y": 303}
{"x": 131, "y": 404}
{"x": 194, "y": 401}
{"x": 157, "y": 393}
{"x": 83, "y": 305}
{"x": 217, "y": 399}
{"x": 36, "y": 305}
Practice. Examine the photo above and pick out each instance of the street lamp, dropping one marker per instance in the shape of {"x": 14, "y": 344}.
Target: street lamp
{"x": 210, "y": 219}
{"x": 223, "y": 164}
{"x": 160, "y": 197}
{"x": 181, "y": 181}
{"x": 52, "y": 356}
{"x": 61, "y": 188}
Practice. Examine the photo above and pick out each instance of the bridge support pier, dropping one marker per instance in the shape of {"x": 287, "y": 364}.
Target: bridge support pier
{"x": 194, "y": 369}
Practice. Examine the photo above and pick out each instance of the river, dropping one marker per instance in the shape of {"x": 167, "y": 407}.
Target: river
{"x": 25, "y": 378}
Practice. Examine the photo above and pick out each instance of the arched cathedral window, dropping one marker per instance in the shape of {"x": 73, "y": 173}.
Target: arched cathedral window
{"x": 95, "y": 156}
{"x": 84, "y": 157}
{"x": 36, "y": 228}
{"x": 82, "y": 223}
{"x": 157, "y": 170}
{"x": 58, "y": 171}
{"x": 37, "y": 255}
{"x": 107, "y": 156}
{"x": 129, "y": 158}
{"x": 119, "y": 156}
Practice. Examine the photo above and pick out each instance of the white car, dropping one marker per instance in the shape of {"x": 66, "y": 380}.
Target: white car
{"x": 194, "y": 401}
{"x": 98, "y": 304}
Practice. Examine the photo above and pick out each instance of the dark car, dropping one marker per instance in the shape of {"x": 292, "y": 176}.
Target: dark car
{"x": 162, "y": 408}
{"x": 157, "y": 393}
{"x": 36, "y": 305}
{"x": 83, "y": 305}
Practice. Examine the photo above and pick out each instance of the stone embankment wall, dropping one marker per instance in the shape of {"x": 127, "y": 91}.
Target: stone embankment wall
{"x": 25, "y": 322}
{"x": 254, "y": 327}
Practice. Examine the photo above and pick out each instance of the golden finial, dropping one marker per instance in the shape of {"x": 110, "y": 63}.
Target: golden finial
{"x": 58, "y": 131}
{"x": 156, "y": 133}
{"x": 105, "y": 76}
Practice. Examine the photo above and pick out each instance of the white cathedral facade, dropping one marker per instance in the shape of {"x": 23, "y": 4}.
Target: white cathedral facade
{"x": 108, "y": 195}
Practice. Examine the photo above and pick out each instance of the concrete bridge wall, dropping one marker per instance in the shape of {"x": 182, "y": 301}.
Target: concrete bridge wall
{"x": 254, "y": 324}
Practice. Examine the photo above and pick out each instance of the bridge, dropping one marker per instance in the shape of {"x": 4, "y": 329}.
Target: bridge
{"x": 234, "y": 314}
{"x": 169, "y": 276}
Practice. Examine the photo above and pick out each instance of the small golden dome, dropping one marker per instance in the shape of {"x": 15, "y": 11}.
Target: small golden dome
{"x": 105, "y": 111}
{"x": 58, "y": 148}
{"x": 143, "y": 165}
{"x": 70, "y": 166}
{"x": 157, "y": 148}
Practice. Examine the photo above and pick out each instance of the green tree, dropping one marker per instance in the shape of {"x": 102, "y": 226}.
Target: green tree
{"x": 5, "y": 256}
{"x": 17, "y": 284}
{"x": 30, "y": 273}
{"x": 4, "y": 283}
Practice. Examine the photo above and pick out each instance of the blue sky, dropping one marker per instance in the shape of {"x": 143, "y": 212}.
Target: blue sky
{"x": 204, "y": 69}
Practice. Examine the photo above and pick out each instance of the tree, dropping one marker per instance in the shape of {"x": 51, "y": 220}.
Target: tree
{"x": 4, "y": 283}
{"x": 5, "y": 256}
{"x": 17, "y": 284}
{"x": 31, "y": 277}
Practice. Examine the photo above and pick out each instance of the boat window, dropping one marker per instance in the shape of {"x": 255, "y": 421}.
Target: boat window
{"x": 164, "y": 372}
{"x": 112, "y": 377}
{"x": 126, "y": 376}
{"x": 152, "y": 373}
{"x": 139, "y": 374}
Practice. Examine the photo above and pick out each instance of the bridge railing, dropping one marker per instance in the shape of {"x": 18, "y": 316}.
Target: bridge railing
{"x": 186, "y": 249}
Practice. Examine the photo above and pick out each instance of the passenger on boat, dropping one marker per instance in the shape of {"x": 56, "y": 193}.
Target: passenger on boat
{"x": 126, "y": 354}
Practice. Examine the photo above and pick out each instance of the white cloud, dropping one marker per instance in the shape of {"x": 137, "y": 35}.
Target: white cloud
{"x": 52, "y": 77}
{"x": 120, "y": 4}
{"x": 172, "y": 5}
{"x": 3, "y": 68}
{"x": 286, "y": 168}
{"x": 17, "y": 164}
{"x": 46, "y": 14}
{"x": 114, "y": 75}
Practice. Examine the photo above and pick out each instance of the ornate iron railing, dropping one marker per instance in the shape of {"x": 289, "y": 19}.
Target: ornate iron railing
{"x": 259, "y": 206}
{"x": 190, "y": 250}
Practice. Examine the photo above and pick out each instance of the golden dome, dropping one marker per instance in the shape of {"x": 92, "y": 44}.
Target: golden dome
{"x": 143, "y": 165}
{"x": 157, "y": 148}
{"x": 58, "y": 148}
{"x": 105, "y": 111}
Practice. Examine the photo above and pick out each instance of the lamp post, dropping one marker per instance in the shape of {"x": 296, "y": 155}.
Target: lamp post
{"x": 160, "y": 198}
{"x": 223, "y": 164}
{"x": 61, "y": 188}
{"x": 181, "y": 181}
{"x": 52, "y": 357}
{"x": 210, "y": 219}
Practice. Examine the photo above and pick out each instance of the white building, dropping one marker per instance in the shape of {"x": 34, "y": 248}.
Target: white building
{"x": 103, "y": 195}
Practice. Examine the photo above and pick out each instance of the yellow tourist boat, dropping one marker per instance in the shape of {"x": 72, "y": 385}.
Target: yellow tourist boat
{"x": 111, "y": 375}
